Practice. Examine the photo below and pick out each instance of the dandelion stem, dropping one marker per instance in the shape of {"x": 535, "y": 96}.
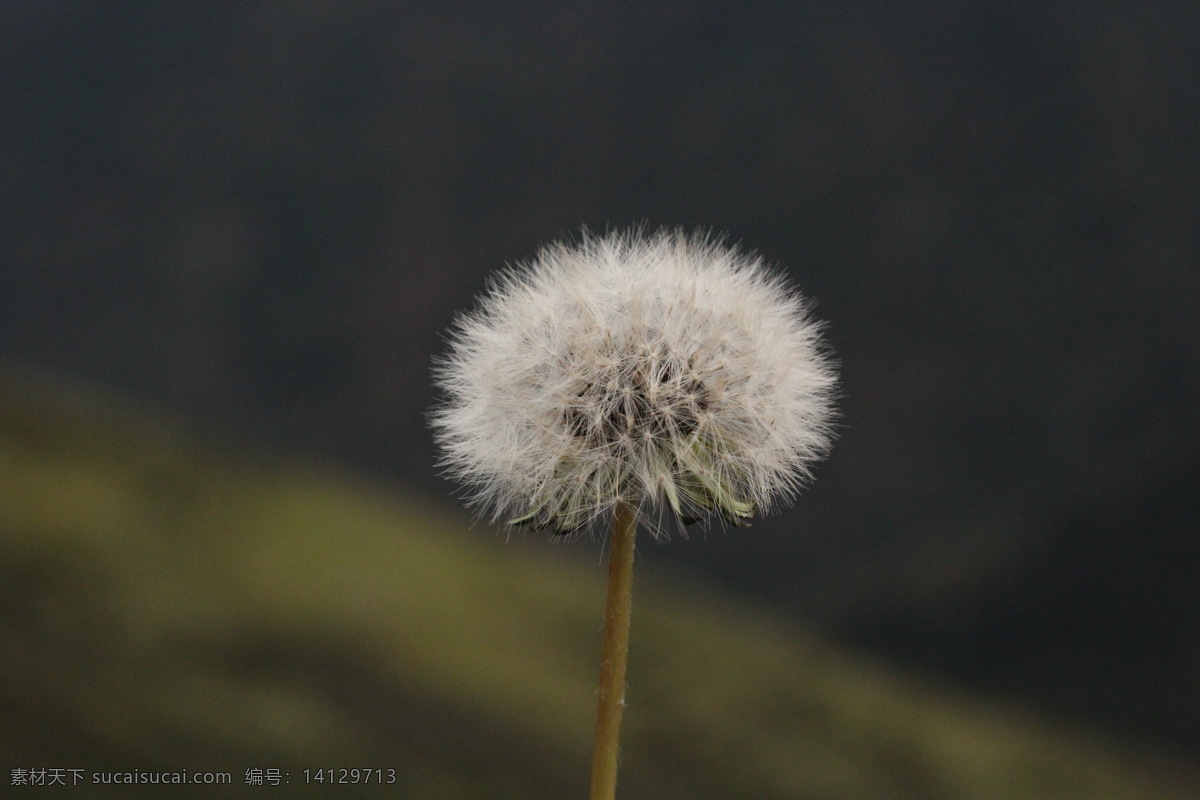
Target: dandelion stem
{"x": 614, "y": 653}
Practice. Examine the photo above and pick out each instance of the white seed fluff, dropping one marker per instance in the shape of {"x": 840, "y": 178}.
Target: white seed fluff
{"x": 666, "y": 369}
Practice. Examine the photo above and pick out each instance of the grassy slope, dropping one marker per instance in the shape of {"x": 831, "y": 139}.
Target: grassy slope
{"x": 167, "y": 604}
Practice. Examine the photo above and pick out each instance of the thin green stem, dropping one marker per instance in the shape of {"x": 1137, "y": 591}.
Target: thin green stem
{"x": 615, "y": 652}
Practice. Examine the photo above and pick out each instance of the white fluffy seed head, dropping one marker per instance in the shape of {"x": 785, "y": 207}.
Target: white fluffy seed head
{"x": 666, "y": 369}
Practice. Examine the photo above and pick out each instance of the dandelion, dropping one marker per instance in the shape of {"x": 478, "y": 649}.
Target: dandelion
{"x": 633, "y": 377}
{"x": 667, "y": 369}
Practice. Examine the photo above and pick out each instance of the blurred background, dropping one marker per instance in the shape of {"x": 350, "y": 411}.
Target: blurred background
{"x": 254, "y": 221}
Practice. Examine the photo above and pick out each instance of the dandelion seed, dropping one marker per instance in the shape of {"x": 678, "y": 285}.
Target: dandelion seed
{"x": 661, "y": 352}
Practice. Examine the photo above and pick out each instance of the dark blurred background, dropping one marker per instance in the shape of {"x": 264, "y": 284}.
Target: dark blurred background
{"x": 264, "y": 215}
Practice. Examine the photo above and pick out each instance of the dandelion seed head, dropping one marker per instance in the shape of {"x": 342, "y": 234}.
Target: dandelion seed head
{"x": 666, "y": 366}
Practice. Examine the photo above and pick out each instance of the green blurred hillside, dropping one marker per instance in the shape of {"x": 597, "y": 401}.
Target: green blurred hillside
{"x": 171, "y": 602}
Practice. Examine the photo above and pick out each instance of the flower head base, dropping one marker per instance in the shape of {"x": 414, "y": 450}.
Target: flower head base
{"x": 667, "y": 370}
